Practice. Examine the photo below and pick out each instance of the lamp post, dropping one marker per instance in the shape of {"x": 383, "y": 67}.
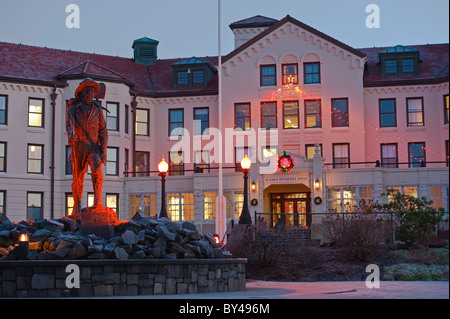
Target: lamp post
{"x": 245, "y": 217}
{"x": 163, "y": 167}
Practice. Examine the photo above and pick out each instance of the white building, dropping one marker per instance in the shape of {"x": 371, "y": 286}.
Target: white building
{"x": 350, "y": 107}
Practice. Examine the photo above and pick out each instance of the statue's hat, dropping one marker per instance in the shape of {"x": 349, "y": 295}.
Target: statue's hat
{"x": 85, "y": 83}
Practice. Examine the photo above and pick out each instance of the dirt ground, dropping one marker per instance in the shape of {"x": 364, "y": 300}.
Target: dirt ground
{"x": 313, "y": 263}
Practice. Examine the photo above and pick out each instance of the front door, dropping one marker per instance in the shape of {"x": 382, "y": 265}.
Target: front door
{"x": 291, "y": 209}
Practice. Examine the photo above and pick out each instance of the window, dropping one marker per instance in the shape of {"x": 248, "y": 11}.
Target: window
{"x": 198, "y": 77}
{"x": 69, "y": 204}
{"x": 68, "y": 162}
{"x": 341, "y": 155}
{"x": 126, "y": 165}
{"x": 242, "y": 116}
{"x": 35, "y": 159}
{"x": 127, "y": 119}
{"x": 112, "y": 201}
{"x": 311, "y": 72}
{"x": 34, "y": 205}
{"x": 313, "y": 116}
{"x": 201, "y": 121}
{"x": 416, "y": 154}
{"x": 415, "y": 111}
{"x": 388, "y": 114}
{"x": 145, "y": 203}
{"x": 310, "y": 150}
{"x": 180, "y": 206}
{"x": 182, "y": 78}
{"x": 90, "y": 199}
{"x": 112, "y": 116}
{"x": 201, "y": 161}
{"x": 142, "y": 164}
{"x": 290, "y": 115}
{"x": 389, "y": 155}
{"x": 339, "y": 112}
{"x": 209, "y": 205}
{"x": 2, "y": 156}
{"x": 36, "y": 112}
{"x": 290, "y": 74}
{"x": 408, "y": 65}
{"x": 446, "y": 110}
{"x": 439, "y": 196}
{"x": 112, "y": 161}
{"x": 346, "y": 199}
{"x": 391, "y": 66}
{"x": 3, "y": 109}
{"x": 268, "y": 115}
{"x": 176, "y": 167}
{"x": 235, "y": 203}
{"x": 176, "y": 122}
{"x": 447, "y": 150}
{"x": 268, "y": 75}
{"x": 142, "y": 122}
{"x": 2, "y": 202}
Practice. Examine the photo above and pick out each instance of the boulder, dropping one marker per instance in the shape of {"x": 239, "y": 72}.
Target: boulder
{"x": 40, "y": 235}
{"x": 130, "y": 238}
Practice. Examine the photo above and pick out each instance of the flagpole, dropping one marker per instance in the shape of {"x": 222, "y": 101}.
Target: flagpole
{"x": 220, "y": 205}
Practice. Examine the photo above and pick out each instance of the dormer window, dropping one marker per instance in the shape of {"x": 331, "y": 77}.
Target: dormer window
{"x": 399, "y": 61}
{"x": 192, "y": 72}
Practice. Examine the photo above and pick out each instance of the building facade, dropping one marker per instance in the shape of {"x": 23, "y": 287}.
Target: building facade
{"x": 326, "y": 126}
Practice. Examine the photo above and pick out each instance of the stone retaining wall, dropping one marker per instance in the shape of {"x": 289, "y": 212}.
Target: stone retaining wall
{"x": 42, "y": 278}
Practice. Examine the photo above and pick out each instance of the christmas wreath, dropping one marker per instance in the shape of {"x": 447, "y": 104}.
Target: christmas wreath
{"x": 285, "y": 162}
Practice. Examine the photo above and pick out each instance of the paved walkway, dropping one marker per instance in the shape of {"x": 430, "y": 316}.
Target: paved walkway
{"x": 327, "y": 290}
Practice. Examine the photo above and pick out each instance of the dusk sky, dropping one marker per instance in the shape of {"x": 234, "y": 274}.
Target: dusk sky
{"x": 188, "y": 28}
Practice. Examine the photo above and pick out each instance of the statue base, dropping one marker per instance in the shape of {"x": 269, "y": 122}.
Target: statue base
{"x": 100, "y": 221}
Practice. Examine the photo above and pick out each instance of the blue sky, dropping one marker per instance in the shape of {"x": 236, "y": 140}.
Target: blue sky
{"x": 188, "y": 28}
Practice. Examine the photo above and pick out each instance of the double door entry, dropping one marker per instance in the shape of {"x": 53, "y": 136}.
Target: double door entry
{"x": 291, "y": 209}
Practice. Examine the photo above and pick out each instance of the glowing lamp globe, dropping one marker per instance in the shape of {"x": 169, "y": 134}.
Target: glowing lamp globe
{"x": 246, "y": 163}
{"x": 163, "y": 167}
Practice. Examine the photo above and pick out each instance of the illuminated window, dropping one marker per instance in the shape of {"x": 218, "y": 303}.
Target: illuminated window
{"x": 3, "y": 109}
{"x": 209, "y": 205}
{"x": 35, "y": 159}
{"x": 268, "y": 75}
{"x": 416, "y": 154}
{"x": 313, "y": 116}
{"x": 2, "y": 202}
{"x": 290, "y": 115}
{"x": 34, "y": 205}
{"x": 90, "y": 199}
{"x": 349, "y": 199}
{"x": 235, "y": 203}
{"x": 112, "y": 201}
{"x": 446, "y": 110}
{"x": 69, "y": 204}
{"x": 145, "y": 203}
{"x": 339, "y": 112}
{"x": 142, "y": 163}
{"x": 310, "y": 150}
{"x": 36, "y": 113}
{"x": 112, "y": 116}
{"x": 438, "y": 196}
{"x": 242, "y": 116}
{"x": 142, "y": 122}
{"x": 180, "y": 207}
{"x": 290, "y": 74}
{"x": 415, "y": 111}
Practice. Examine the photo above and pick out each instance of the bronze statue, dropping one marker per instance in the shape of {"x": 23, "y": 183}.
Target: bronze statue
{"x": 88, "y": 138}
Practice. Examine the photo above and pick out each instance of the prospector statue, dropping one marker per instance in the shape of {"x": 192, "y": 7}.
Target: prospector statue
{"x": 88, "y": 138}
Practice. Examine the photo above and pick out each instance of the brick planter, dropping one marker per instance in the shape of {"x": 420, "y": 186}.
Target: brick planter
{"x": 121, "y": 277}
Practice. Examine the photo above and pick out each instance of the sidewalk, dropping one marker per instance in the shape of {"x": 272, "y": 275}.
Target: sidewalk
{"x": 326, "y": 290}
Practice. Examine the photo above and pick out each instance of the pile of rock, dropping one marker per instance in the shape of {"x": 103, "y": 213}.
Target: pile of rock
{"x": 140, "y": 238}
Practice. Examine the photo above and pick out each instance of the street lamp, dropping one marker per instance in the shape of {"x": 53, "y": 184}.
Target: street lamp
{"x": 245, "y": 218}
{"x": 163, "y": 167}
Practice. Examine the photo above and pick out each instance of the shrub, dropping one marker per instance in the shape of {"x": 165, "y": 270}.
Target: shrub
{"x": 414, "y": 218}
{"x": 415, "y": 272}
{"x": 359, "y": 236}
